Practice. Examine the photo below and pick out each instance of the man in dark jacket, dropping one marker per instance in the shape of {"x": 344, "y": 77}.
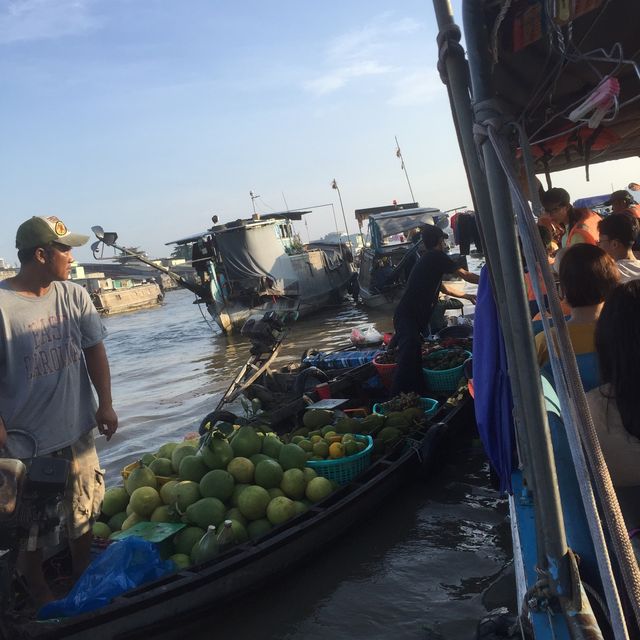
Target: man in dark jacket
{"x": 414, "y": 310}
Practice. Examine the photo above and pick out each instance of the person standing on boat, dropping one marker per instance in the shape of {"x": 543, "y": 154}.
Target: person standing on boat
{"x": 580, "y": 225}
{"x": 414, "y": 310}
{"x": 618, "y": 234}
{"x": 51, "y": 353}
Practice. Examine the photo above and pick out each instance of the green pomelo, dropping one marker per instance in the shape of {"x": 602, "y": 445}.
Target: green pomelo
{"x": 132, "y": 520}
{"x": 144, "y": 501}
{"x": 318, "y": 489}
{"x": 217, "y": 484}
{"x": 168, "y": 491}
{"x": 321, "y": 449}
{"x": 192, "y": 468}
{"x": 235, "y": 514}
{"x": 217, "y": 454}
{"x": 187, "y": 492}
{"x": 237, "y": 490}
{"x": 258, "y": 528}
{"x": 275, "y": 492}
{"x": 141, "y": 476}
{"x": 147, "y": 459}
{"x": 280, "y": 509}
{"x": 115, "y": 500}
{"x": 101, "y": 530}
{"x": 184, "y": 540}
{"x": 253, "y": 502}
{"x": 181, "y": 451}
{"x": 181, "y": 560}
{"x": 297, "y": 439}
{"x": 300, "y": 506}
{"x": 161, "y": 467}
{"x": 166, "y": 450}
{"x": 246, "y": 442}
{"x": 115, "y": 522}
{"x": 239, "y": 531}
{"x": 206, "y": 511}
{"x": 317, "y": 418}
{"x": 309, "y": 474}
{"x": 129, "y": 509}
{"x": 242, "y": 470}
{"x": 256, "y": 458}
{"x": 164, "y": 513}
{"x": 268, "y": 474}
{"x": 305, "y": 445}
{"x": 292, "y": 457}
{"x": 271, "y": 446}
{"x": 293, "y": 483}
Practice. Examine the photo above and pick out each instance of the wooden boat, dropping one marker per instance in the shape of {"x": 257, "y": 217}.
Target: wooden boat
{"x": 246, "y": 567}
{"x": 545, "y": 87}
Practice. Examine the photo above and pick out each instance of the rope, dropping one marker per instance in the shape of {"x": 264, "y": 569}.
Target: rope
{"x": 570, "y": 393}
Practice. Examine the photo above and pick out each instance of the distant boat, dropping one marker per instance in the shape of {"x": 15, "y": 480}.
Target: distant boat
{"x": 389, "y": 254}
{"x": 252, "y": 266}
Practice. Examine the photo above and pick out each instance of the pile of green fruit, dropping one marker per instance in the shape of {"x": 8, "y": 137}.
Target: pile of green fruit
{"x": 401, "y": 402}
{"x": 445, "y": 359}
{"x": 252, "y": 478}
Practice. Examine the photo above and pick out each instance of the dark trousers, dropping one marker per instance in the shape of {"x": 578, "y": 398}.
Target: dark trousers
{"x": 408, "y": 344}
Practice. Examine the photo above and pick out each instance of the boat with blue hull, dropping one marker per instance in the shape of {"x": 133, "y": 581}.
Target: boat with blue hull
{"x": 527, "y": 98}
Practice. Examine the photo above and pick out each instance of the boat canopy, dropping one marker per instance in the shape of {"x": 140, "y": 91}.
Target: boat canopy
{"x": 592, "y": 202}
{"x": 383, "y": 225}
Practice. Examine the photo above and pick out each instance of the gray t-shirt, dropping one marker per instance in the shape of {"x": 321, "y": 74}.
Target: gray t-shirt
{"x": 45, "y": 389}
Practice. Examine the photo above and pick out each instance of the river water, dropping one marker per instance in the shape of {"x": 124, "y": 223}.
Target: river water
{"x": 418, "y": 569}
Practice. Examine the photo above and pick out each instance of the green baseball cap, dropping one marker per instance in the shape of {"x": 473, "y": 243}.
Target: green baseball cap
{"x": 40, "y": 231}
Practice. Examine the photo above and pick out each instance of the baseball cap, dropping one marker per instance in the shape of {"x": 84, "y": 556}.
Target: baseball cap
{"x": 39, "y": 231}
{"x": 621, "y": 194}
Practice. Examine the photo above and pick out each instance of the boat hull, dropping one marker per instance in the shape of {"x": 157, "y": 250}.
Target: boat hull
{"x": 127, "y": 299}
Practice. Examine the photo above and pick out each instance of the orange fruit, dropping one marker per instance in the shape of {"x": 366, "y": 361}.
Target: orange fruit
{"x": 333, "y": 439}
{"x": 336, "y": 450}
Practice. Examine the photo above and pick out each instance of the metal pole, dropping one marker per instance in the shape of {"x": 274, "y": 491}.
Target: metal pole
{"x": 335, "y": 220}
{"x": 404, "y": 168}
{"x": 526, "y": 371}
{"x": 334, "y": 185}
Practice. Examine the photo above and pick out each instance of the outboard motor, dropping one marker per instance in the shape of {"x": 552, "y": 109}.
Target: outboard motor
{"x": 263, "y": 332}
{"x": 31, "y": 495}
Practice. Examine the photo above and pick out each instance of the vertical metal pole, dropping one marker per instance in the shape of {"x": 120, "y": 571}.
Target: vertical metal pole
{"x": 344, "y": 217}
{"x": 526, "y": 373}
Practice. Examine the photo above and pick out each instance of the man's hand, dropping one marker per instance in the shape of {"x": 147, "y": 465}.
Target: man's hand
{"x": 107, "y": 421}
{"x": 471, "y": 297}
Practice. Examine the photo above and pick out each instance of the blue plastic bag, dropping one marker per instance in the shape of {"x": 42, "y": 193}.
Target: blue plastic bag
{"x": 124, "y": 565}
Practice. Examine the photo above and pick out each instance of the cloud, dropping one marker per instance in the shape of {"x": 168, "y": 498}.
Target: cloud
{"x": 416, "y": 88}
{"x": 359, "y": 53}
{"x": 24, "y": 20}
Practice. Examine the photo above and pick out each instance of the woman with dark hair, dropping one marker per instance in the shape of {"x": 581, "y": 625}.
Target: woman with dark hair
{"x": 587, "y": 276}
{"x": 614, "y": 405}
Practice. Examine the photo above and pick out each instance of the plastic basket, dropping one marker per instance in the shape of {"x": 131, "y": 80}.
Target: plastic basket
{"x": 162, "y": 480}
{"x": 343, "y": 470}
{"x": 385, "y": 371}
{"x": 428, "y": 405}
{"x": 445, "y": 380}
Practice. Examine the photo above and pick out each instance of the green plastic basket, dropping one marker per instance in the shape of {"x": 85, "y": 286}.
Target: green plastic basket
{"x": 344, "y": 470}
{"x": 428, "y": 405}
{"x": 445, "y": 380}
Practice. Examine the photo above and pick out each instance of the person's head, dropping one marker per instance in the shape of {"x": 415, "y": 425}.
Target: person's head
{"x": 557, "y": 203}
{"x": 617, "y": 340}
{"x": 45, "y": 243}
{"x": 433, "y": 237}
{"x": 620, "y": 201}
{"x": 618, "y": 232}
{"x": 587, "y": 275}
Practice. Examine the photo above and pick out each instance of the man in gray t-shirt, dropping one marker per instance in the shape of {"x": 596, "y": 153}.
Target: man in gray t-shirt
{"x": 51, "y": 353}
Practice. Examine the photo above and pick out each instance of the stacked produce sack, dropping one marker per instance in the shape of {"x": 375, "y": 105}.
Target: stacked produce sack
{"x": 255, "y": 480}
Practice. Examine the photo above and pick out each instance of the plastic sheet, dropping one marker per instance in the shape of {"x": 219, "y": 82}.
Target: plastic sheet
{"x": 124, "y": 565}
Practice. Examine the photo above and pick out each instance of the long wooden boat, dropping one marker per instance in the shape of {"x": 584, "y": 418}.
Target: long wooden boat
{"x": 246, "y": 567}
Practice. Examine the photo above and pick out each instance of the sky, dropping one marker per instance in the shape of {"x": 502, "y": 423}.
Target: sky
{"x": 147, "y": 117}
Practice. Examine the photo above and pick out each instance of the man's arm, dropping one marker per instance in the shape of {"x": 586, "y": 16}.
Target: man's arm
{"x": 468, "y": 276}
{"x": 458, "y": 293}
{"x": 98, "y": 368}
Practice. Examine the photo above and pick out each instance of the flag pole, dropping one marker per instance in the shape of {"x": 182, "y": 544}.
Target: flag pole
{"x": 334, "y": 185}
{"x": 404, "y": 168}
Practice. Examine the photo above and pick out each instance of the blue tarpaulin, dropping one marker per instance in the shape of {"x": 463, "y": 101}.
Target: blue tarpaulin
{"x": 592, "y": 202}
{"x": 493, "y": 400}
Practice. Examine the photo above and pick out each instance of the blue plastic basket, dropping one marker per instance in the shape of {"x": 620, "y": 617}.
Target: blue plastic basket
{"x": 428, "y": 405}
{"x": 344, "y": 470}
{"x": 445, "y": 380}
